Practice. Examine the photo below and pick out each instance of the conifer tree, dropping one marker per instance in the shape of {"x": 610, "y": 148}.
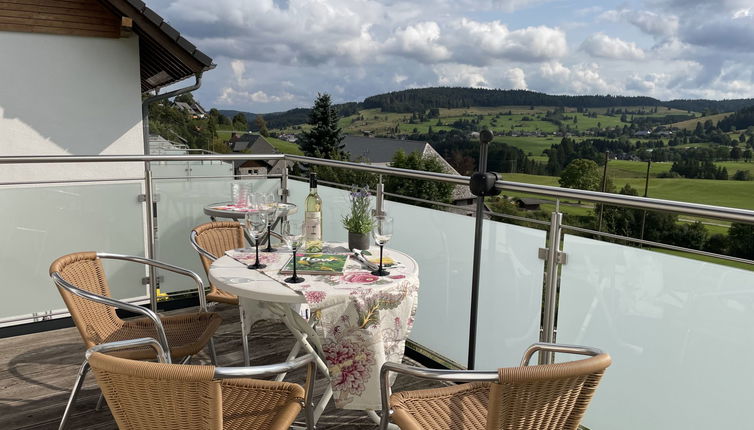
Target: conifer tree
{"x": 324, "y": 140}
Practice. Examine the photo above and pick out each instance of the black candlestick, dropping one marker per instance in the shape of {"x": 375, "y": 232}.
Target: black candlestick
{"x": 380, "y": 271}
{"x": 294, "y": 279}
{"x": 256, "y": 265}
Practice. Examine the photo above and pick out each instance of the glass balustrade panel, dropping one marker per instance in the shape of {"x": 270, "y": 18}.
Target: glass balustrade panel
{"x": 442, "y": 244}
{"x": 181, "y": 208}
{"x": 678, "y": 329}
{"x": 42, "y": 223}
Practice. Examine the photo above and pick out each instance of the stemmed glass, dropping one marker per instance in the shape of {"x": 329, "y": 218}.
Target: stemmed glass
{"x": 254, "y": 223}
{"x": 293, "y": 233}
{"x": 271, "y": 207}
{"x": 382, "y": 232}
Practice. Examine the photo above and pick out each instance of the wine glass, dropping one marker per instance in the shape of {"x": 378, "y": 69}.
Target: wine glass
{"x": 293, "y": 234}
{"x": 255, "y": 223}
{"x": 382, "y": 231}
{"x": 270, "y": 205}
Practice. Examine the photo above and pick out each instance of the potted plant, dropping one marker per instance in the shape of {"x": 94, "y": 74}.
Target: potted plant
{"x": 358, "y": 221}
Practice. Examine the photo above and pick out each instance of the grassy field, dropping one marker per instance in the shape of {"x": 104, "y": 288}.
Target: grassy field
{"x": 706, "y": 259}
{"x": 529, "y": 144}
{"x": 284, "y": 146}
{"x": 498, "y": 119}
{"x": 691, "y": 124}
{"x": 735, "y": 194}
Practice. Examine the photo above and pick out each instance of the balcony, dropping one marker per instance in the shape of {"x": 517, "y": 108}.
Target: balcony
{"x": 667, "y": 320}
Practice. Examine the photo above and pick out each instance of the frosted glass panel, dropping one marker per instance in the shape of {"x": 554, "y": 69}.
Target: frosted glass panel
{"x": 41, "y": 224}
{"x": 510, "y": 293}
{"x": 442, "y": 244}
{"x": 181, "y": 208}
{"x": 679, "y": 331}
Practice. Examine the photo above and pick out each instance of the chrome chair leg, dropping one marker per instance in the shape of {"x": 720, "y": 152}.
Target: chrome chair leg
{"x": 244, "y": 337}
{"x": 100, "y": 401}
{"x": 83, "y": 370}
{"x": 212, "y": 353}
{"x": 186, "y": 359}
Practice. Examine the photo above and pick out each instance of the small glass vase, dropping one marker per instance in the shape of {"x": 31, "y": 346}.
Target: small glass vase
{"x": 358, "y": 240}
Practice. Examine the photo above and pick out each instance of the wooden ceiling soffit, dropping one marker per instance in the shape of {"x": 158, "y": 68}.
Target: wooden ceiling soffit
{"x": 149, "y": 23}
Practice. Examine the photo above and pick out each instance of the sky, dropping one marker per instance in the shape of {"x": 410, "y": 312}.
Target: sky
{"x": 275, "y": 55}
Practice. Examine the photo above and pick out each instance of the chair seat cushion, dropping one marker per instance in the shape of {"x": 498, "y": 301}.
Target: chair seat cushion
{"x": 187, "y": 334}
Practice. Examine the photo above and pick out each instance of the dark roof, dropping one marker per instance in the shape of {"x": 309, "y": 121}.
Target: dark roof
{"x": 379, "y": 150}
{"x": 253, "y": 143}
{"x": 166, "y": 57}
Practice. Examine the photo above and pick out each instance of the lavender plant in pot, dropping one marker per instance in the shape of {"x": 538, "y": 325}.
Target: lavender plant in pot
{"x": 358, "y": 221}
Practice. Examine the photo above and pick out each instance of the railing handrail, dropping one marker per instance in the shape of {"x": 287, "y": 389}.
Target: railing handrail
{"x": 697, "y": 209}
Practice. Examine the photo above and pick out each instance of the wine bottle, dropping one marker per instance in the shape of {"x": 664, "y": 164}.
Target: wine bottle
{"x": 313, "y": 214}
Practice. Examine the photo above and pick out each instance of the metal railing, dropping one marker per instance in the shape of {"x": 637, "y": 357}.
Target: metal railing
{"x": 556, "y": 226}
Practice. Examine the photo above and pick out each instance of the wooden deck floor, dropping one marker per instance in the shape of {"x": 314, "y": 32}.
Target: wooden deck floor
{"x": 38, "y": 370}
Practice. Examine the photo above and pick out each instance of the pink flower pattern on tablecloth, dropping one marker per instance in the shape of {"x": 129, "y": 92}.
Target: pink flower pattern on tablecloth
{"x": 359, "y": 277}
{"x": 314, "y": 297}
{"x": 349, "y": 361}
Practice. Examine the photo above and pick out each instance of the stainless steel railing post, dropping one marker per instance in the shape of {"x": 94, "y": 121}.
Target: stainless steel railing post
{"x": 551, "y": 284}
{"x": 151, "y": 236}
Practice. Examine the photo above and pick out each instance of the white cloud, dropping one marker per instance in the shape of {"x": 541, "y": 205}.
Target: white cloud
{"x": 515, "y": 79}
{"x": 742, "y": 13}
{"x": 649, "y": 22}
{"x": 604, "y": 46}
{"x": 479, "y": 42}
{"x": 556, "y": 78}
{"x": 231, "y": 96}
{"x": 399, "y": 79}
{"x": 460, "y": 75}
{"x": 420, "y": 41}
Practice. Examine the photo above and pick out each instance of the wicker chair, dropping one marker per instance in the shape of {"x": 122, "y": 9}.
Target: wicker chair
{"x": 543, "y": 397}
{"x": 211, "y": 240}
{"x": 81, "y": 281}
{"x": 144, "y": 395}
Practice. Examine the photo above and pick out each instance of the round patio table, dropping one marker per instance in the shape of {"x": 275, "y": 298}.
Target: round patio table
{"x": 358, "y": 320}
{"x": 229, "y": 210}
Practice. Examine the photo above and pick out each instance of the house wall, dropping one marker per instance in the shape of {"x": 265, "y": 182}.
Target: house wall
{"x": 69, "y": 95}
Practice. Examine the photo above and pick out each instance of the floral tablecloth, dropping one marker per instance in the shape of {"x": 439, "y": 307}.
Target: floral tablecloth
{"x": 362, "y": 320}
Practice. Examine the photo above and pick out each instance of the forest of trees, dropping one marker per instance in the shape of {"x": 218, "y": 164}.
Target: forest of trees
{"x": 421, "y": 99}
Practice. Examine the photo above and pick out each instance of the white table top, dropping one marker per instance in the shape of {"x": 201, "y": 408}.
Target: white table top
{"x": 233, "y": 276}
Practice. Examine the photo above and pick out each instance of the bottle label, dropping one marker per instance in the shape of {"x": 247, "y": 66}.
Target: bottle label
{"x": 313, "y": 226}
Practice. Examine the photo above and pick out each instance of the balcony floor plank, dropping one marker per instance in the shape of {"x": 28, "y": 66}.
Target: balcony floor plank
{"x": 38, "y": 370}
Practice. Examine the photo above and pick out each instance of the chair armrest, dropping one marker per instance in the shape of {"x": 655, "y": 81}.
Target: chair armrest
{"x": 450, "y": 375}
{"x": 557, "y": 347}
{"x": 161, "y": 336}
{"x": 265, "y": 370}
{"x": 164, "y": 266}
{"x": 199, "y": 249}
{"x": 162, "y": 357}
{"x": 307, "y": 360}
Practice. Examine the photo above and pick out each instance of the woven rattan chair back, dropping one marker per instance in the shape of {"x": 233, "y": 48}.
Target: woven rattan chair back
{"x": 545, "y": 397}
{"x": 143, "y": 395}
{"x": 95, "y": 321}
{"x": 216, "y": 238}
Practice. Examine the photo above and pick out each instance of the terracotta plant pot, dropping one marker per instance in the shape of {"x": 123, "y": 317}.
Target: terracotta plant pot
{"x": 358, "y": 240}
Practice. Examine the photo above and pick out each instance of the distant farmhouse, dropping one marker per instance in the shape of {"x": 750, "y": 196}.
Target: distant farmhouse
{"x": 380, "y": 152}
{"x": 255, "y": 144}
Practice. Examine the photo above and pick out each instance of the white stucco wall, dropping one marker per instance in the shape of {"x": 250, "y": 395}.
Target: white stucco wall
{"x": 69, "y": 95}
